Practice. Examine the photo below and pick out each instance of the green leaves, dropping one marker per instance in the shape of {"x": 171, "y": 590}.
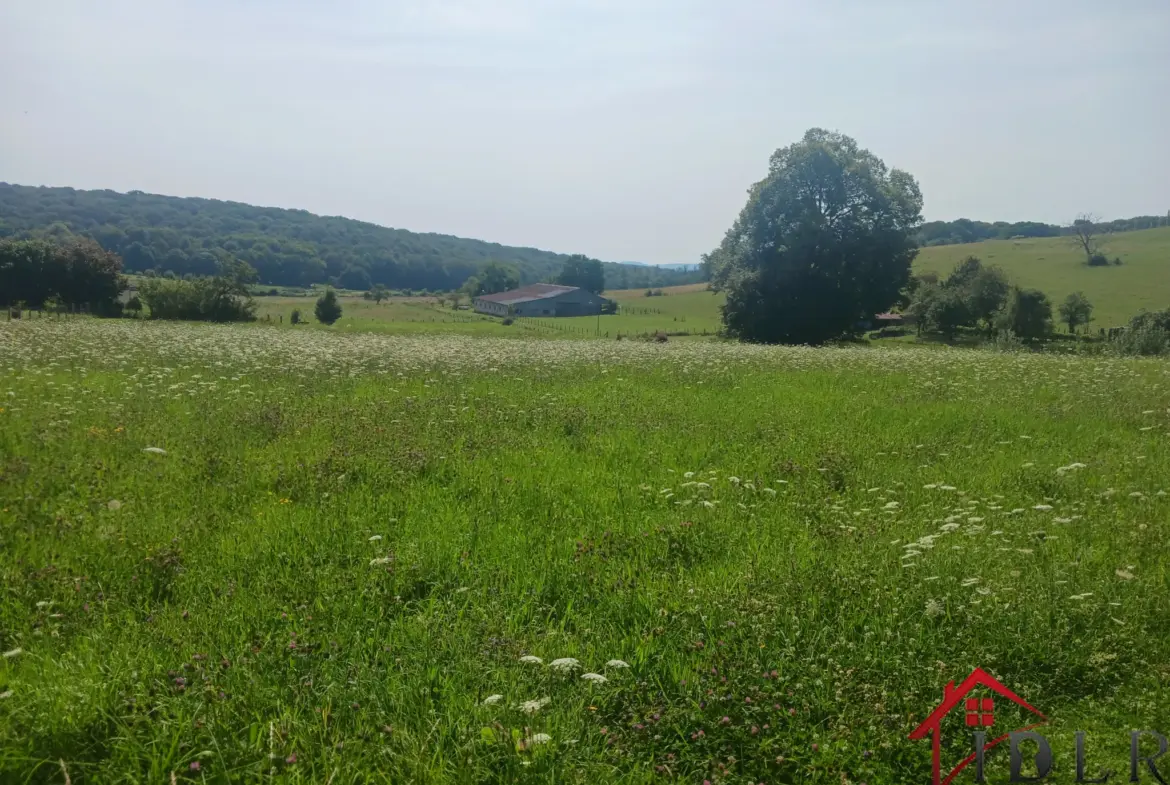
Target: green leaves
{"x": 824, "y": 242}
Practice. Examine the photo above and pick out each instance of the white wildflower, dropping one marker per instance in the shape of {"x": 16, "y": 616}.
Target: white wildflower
{"x": 114, "y": 504}
{"x": 532, "y": 659}
{"x": 891, "y": 506}
{"x": 539, "y": 738}
{"x": 492, "y": 700}
{"x": 6, "y": 694}
{"x": 154, "y": 450}
{"x": 619, "y": 663}
{"x": 533, "y": 706}
{"x": 13, "y": 653}
{"x": 596, "y": 678}
{"x": 733, "y": 480}
{"x": 1125, "y": 575}
{"x": 565, "y": 664}
{"x": 380, "y": 560}
{"x": 934, "y": 608}
{"x": 689, "y": 475}
{"x": 375, "y": 538}
{"x": 1043, "y": 507}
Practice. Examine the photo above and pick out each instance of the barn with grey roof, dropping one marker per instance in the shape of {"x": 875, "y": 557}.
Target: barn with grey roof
{"x": 541, "y": 299}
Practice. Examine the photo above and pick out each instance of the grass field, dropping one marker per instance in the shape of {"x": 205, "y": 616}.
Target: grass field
{"x": 250, "y": 554}
{"x": 686, "y": 310}
{"x": 1056, "y": 267}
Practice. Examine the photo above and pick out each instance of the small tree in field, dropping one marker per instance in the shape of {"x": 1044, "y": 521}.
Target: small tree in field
{"x": 327, "y": 310}
{"x": 379, "y": 293}
{"x": 1076, "y": 310}
{"x": 1028, "y": 314}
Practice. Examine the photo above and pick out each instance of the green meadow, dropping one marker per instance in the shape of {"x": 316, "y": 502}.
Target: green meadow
{"x": 264, "y": 555}
{"x": 1057, "y": 268}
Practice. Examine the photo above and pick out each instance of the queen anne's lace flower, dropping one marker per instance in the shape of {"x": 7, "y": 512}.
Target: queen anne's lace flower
{"x": 596, "y": 678}
{"x": 565, "y": 664}
{"x": 532, "y": 659}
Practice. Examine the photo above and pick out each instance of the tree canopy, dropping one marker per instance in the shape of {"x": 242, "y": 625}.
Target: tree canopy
{"x": 583, "y": 272}
{"x": 964, "y": 230}
{"x": 286, "y": 247}
{"x": 824, "y": 242}
{"x": 76, "y": 272}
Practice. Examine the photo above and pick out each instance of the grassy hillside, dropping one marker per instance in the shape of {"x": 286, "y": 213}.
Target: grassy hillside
{"x": 287, "y": 247}
{"x": 1056, "y": 267}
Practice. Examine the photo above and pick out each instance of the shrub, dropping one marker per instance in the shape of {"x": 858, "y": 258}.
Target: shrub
{"x": 1007, "y": 341}
{"x": 508, "y": 321}
{"x": 1147, "y": 340}
{"x": 1028, "y": 314}
{"x": 296, "y": 316}
{"x": 327, "y": 310}
{"x": 223, "y": 298}
{"x": 1098, "y": 260}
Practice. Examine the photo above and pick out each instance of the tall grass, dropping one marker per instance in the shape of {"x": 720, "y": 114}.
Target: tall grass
{"x": 348, "y": 543}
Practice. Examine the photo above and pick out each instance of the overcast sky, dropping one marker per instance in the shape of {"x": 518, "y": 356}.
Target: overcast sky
{"x": 623, "y": 129}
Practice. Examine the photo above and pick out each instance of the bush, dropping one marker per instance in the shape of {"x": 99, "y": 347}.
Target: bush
{"x": 202, "y": 300}
{"x": 327, "y": 310}
{"x": 1146, "y": 341}
{"x": 1007, "y": 341}
{"x": 508, "y": 321}
{"x": 296, "y": 316}
{"x": 1027, "y": 314}
{"x": 1098, "y": 260}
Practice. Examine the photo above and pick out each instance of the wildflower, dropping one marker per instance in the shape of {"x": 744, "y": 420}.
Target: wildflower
{"x": 114, "y": 504}
{"x": 539, "y": 738}
{"x": 195, "y": 765}
{"x": 492, "y": 700}
{"x": 291, "y": 759}
{"x": 1125, "y": 575}
{"x": 531, "y": 659}
{"x": 380, "y": 560}
{"x": 154, "y": 450}
{"x": 13, "y": 653}
{"x": 617, "y": 664}
{"x": 375, "y": 538}
{"x": 533, "y": 706}
{"x": 565, "y": 664}
{"x": 891, "y": 506}
{"x": 6, "y": 694}
{"x": 596, "y": 678}
{"x": 1043, "y": 507}
{"x": 934, "y": 608}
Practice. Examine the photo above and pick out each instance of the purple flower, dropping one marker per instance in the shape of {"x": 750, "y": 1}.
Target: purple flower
{"x": 291, "y": 758}
{"x": 195, "y": 766}
{"x": 725, "y": 721}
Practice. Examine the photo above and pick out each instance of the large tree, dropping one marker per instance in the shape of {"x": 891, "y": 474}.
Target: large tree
{"x": 824, "y": 242}
{"x": 582, "y": 271}
{"x": 496, "y": 277}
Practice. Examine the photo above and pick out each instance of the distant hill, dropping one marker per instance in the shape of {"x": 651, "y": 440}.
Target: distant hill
{"x": 963, "y": 230}
{"x": 287, "y": 247}
{"x": 1056, "y": 267}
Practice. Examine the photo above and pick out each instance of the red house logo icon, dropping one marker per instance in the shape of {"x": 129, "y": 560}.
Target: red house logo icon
{"x": 979, "y": 713}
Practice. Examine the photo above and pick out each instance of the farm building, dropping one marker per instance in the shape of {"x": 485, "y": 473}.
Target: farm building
{"x": 541, "y": 299}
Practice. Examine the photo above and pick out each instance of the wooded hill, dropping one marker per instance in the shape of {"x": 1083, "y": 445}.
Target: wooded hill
{"x": 287, "y": 247}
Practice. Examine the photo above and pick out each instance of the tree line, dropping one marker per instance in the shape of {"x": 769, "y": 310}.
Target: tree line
{"x": 964, "y": 230}
{"x": 194, "y": 237}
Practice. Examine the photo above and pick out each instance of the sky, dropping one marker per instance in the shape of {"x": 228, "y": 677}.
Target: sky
{"x": 622, "y": 129}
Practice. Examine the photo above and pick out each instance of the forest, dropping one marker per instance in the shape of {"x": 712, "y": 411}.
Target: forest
{"x": 964, "y": 230}
{"x": 192, "y": 236}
